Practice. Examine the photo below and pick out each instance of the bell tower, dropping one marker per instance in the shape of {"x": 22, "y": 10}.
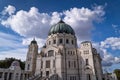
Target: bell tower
{"x": 30, "y": 63}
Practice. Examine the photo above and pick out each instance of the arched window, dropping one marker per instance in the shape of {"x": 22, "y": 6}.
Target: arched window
{"x": 54, "y": 41}
{"x": 50, "y": 53}
{"x": 53, "y": 63}
{"x": 1, "y": 74}
{"x": 67, "y": 41}
{"x": 28, "y": 67}
{"x": 60, "y": 41}
{"x": 69, "y": 64}
{"x": 74, "y": 64}
{"x": 72, "y": 42}
{"x": 86, "y": 60}
{"x": 41, "y": 64}
{"x": 48, "y": 64}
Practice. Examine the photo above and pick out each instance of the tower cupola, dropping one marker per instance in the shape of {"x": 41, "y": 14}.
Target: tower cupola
{"x": 34, "y": 41}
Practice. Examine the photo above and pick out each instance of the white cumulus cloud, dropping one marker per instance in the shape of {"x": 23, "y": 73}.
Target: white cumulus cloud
{"x": 103, "y": 48}
{"x": 9, "y": 10}
{"x": 34, "y": 23}
{"x": 109, "y": 59}
{"x": 31, "y": 23}
{"x": 81, "y": 19}
{"x": 111, "y": 42}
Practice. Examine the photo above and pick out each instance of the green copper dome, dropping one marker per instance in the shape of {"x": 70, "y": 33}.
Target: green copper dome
{"x": 61, "y": 27}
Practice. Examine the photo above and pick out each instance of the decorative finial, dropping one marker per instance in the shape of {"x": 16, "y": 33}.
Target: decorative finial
{"x": 34, "y": 38}
{"x": 61, "y": 21}
{"x": 33, "y": 41}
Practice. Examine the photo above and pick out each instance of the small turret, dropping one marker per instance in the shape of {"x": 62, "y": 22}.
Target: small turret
{"x": 34, "y": 41}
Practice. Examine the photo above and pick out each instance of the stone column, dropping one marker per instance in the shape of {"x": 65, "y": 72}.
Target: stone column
{"x": 8, "y": 75}
{"x": 23, "y": 76}
{"x": 26, "y": 76}
{"x": 44, "y": 66}
{"x": 57, "y": 41}
{"x": 3, "y": 74}
{"x": 51, "y": 64}
{"x": 19, "y": 76}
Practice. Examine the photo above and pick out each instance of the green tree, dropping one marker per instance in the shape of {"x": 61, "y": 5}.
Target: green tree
{"x": 7, "y": 62}
{"x": 117, "y": 72}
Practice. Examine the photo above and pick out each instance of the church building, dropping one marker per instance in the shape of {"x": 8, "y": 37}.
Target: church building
{"x": 61, "y": 58}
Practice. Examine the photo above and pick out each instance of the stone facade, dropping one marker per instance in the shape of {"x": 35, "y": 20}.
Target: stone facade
{"x": 61, "y": 59}
{"x": 14, "y": 72}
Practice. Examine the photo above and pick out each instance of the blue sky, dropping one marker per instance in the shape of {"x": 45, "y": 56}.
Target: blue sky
{"x": 94, "y": 20}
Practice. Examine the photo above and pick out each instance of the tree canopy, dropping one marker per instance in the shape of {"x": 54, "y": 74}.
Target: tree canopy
{"x": 7, "y": 62}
